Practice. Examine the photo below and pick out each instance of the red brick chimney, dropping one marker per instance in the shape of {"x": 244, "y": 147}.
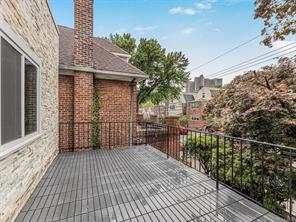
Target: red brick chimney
{"x": 83, "y": 33}
{"x": 83, "y": 80}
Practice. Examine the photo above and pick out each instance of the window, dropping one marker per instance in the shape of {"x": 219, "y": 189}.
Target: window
{"x": 30, "y": 97}
{"x": 194, "y": 118}
{"x": 172, "y": 107}
{"x": 194, "y": 105}
{"x": 203, "y": 95}
{"x": 19, "y": 82}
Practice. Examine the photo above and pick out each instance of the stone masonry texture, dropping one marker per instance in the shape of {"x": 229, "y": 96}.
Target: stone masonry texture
{"x": 21, "y": 171}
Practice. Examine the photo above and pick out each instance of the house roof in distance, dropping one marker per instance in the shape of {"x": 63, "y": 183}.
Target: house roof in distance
{"x": 104, "y": 57}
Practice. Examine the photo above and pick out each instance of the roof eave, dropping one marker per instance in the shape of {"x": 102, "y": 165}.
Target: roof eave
{"x": 105, "y": 73}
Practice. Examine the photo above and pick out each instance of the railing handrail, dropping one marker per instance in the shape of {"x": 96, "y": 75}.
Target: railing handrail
{"x": 229, "y": 137}
{"x": 194, "y": 130}
{"x": 210, "y": 152}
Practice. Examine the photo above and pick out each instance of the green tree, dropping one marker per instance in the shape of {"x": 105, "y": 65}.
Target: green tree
{"x": 183, "y": 120}
{"x": 167, "y": 74}
{"x": 260, "y": 105}
{"x": 96, "y": 118}
{"x": 279, "y": 17}
{"x": 166, "y": 71}
{"x": 125, "y": 42}
{"x": 264, "y": 177}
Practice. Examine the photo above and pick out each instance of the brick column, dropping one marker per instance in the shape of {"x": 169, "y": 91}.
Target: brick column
{"x": 83, "y": 81}
{"x": 83, "y": 103}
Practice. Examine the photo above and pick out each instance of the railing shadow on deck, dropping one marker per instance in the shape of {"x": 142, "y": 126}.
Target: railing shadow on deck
{"x": 262, "y": 172}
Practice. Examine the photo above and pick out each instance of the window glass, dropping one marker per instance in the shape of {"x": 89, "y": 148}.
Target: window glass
{"x": 30, "y": 97}
{"x": 194, "y": 105}
{"x": 172, "y": 107}
{"x": 194, "y": 118}
{"x": 11, "y": 127}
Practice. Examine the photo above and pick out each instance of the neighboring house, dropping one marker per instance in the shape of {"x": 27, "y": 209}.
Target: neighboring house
{"x": 177, "y": 107}
{"x": 206, "y": 93}
{"x": 195, "y": 110}
{"x": 29, "y": 100}
{"x": 200, "y": 82}
{"x": 88, "y": 63}
{"x": 196, "y": 115}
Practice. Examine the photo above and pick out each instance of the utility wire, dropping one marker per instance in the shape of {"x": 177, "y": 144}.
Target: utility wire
{"x": 255, "y": 59}
{"x": 225, "y": 53}
{"x": 234, "y": 71}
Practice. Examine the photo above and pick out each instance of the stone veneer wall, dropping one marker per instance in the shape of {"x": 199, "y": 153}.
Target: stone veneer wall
{"x": 21, "y": 171}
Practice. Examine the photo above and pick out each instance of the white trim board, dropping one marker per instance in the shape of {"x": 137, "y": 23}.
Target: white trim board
{"x": 101, "y": 74}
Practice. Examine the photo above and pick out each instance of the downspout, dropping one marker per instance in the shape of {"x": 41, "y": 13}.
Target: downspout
{"x": 132, "y": 85}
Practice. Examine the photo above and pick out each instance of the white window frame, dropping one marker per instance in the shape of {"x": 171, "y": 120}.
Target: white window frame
{"x": 195, "y": 107}
{"x": 194, "y": 119}
{"x": 20, "y": 45}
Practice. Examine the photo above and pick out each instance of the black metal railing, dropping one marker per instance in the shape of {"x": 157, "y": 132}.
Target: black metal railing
{"x": 262, "y": 172}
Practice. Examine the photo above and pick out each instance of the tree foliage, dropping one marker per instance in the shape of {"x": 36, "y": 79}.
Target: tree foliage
{"x": 183, "y": 120}
{"x": 262, "y": 174}
{"x": 125, "y": 42}
{"x": 96, "y": 118}
{"x": 166, "y": 71}
{"x": 279, "y": 18}
{"x": 260, "y": 105}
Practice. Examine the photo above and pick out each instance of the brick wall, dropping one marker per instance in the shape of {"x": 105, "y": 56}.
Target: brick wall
{"x": 171, "y": 120}
{"x": 83, "y": 104}
{"x": 115, "y": 107}
{"x": 66, "y": 112}
{"x": 21, "y": 171}
{"x": 114, "y": 112}
{"x": 199, "y": 111}
{"x": 166, "y": 139}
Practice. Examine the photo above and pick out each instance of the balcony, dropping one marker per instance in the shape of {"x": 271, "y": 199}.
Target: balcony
{"x": 162, "y": 175}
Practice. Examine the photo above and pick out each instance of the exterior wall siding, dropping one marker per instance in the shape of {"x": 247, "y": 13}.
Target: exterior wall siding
{"x": 21, "y": 171}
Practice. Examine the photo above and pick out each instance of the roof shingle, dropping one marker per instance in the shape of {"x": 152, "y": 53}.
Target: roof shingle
{"x": 104, "y": 59}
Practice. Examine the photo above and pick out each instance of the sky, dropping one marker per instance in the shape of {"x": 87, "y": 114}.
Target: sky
{"x": 201, "y": 29}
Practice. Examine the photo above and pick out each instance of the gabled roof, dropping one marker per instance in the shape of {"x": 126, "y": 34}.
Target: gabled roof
{"x": 188, "y": 97}
{"x": 104, "y": 59}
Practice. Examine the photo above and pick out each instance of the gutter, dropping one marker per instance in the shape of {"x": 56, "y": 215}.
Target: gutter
{"x": 132, "y": 84}
{"x": 106, "y": 72}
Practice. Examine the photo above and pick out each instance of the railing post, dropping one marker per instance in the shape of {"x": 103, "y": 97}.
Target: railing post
{"x": 290, "y": 185}
{"x": 168, "y": 140}
{"x": 109, "y": 135}
{"x": 217, "y": 162}
{"x": 146, "y": 134}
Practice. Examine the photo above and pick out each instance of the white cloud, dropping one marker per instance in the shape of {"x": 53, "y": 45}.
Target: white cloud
{"x": 187, "y": 31}
{"x": 289, "y": 46}
{"x": 217, "y": 30}
{"x": 146, "y": 28}
{"x": 181, "y": 10}
{"x": 203, "y": 5}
